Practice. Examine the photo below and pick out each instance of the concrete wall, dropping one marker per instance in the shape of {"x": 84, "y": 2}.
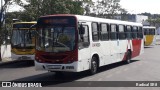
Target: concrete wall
{"x": 6, "y": 52}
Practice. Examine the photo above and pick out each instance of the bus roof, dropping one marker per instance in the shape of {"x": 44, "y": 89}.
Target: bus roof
{"x": 96, "y": 19}
{"x": 32, "y": 22}
{"x": 149, "y": 27}
{"x": 112, "y": 21}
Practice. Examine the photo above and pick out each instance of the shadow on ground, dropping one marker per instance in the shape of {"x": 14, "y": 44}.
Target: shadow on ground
{"x": 148, "y": 47}
{"x": 17, "y": 64}
{"x": 66, "y": 79}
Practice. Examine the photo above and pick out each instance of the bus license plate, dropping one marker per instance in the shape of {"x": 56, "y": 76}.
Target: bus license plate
{"x": 24, "y": 58}
{"x": 54, "y": 66}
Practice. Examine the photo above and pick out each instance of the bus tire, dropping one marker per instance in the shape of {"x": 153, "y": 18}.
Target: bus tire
{"x": 94, "y": 66}
{"x": 128, "y": 57}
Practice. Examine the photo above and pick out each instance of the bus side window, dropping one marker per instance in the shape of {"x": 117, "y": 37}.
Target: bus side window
{"x": 151, "y": 31}
{"x": 134, "y": 32}
{"x": 146, "y": 31}
{"x": 86, "y": 34}
{"x": 95, "y": 31}
{"x": 84, "y": 38}
{"x": 140, "y": 33}
{"x": 154, "y": 32}
{"x": 113, "y": 33}
{"x": 128, "y": 32}
{"x": 121, "y": 33}
{"x": 104, "y": 31}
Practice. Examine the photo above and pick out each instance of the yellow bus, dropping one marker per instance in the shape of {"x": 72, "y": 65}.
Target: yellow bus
{"x": 23, "y": 41}
{"x": 149, "y": 35}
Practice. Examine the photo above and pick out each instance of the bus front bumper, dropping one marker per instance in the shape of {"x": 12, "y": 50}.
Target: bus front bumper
{"x": 72, "y": 67}
{"x": 22, "y": 57}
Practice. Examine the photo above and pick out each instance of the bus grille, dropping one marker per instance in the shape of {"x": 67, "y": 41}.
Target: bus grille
{"x": 48, "y": 57}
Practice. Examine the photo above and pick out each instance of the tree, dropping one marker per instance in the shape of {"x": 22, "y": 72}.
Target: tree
{"x": 153, "y": 19}
{"x": 108, "y": 8}
{"x": 2, "y": 13}
{"x": 37, "y": 8}
{"x": 4, "y": 7}
{"x": 2, "y": 19}
{"x": 154, "y": 22}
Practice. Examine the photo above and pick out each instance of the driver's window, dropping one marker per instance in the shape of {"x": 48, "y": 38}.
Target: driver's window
{"x": 84, "y": 38}
{"x": 86, "y": 34}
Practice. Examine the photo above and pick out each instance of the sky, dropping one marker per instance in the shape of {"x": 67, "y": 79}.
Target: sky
{"x": 140, "y": 6}
{"x": 11, "y": 7}
{"x": 132, "y": 6}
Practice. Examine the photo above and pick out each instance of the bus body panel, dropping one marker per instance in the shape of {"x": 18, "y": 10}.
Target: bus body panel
{"x": 22, "y": 57}
{"x": 123, "y": 47}
{"x": 149, "y": 40}
{"x": 73, "y": 67}
{"x": 84, "y": 54}
{"x": 142, "y": 47}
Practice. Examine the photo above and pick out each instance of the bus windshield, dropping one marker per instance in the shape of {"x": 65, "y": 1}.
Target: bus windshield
{"x": 56, "y": 39}
{"x": 56, "y": 34}
{"x": 23, "y": 39}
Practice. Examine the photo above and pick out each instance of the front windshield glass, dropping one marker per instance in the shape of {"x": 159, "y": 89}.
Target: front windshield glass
{"x": 56, "y": 38}
{"x": 23, "y": 39}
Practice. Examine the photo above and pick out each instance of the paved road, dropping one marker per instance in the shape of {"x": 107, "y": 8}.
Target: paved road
{"x": 143, "y": 68}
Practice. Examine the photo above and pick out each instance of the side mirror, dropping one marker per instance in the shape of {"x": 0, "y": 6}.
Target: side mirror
{"x": 81, "y": 30}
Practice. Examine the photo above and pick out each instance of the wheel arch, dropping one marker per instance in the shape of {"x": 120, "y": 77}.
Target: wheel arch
{"x": 98, "y": 60}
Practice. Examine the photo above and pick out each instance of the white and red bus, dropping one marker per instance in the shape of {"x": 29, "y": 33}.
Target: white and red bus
{"x": 75, "y": 43}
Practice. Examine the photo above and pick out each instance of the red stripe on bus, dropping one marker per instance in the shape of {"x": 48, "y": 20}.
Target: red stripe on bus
{"x": 136, "y": 45}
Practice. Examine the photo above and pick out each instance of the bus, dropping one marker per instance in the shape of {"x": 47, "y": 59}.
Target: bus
{"x": 149, "y": 35}
{"x": 23, "y": 41}
{"x": 75, "y": 43}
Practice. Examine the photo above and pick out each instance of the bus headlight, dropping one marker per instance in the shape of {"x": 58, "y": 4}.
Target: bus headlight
{"x": 37, "y": 59}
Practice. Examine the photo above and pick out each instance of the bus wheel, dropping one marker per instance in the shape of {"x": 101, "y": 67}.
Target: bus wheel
{"x": 94, "y": 66}
{"x": 128, "y": 57}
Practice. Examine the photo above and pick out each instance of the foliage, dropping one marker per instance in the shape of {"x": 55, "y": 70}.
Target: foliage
{"x": 2, "y": 19}
{"x": 33, "y": 9}
{"x": 3, "y": 29}
{"x": 107, "y": 8}
{"x": 154, "y": 22}
{"x": 37, "y": 8}
{"x": 153, "y": 19}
